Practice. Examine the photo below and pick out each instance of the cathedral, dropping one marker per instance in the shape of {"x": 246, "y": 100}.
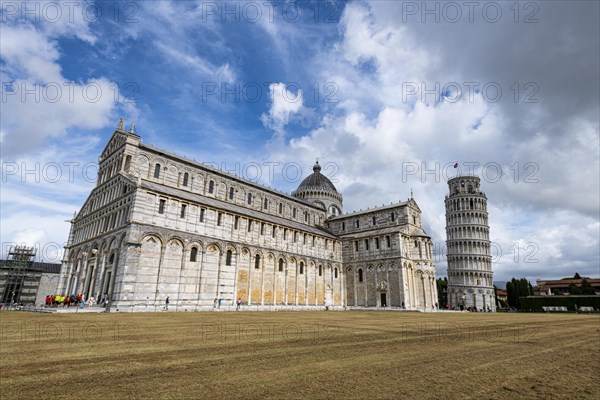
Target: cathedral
{"x": 158, "y": 226}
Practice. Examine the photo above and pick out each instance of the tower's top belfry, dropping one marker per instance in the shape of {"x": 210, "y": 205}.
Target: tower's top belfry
{"x": 466, "y": 184}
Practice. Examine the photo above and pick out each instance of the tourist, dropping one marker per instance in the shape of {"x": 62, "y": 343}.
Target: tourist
{"x": 219, "y": 303}
{"x": 239, "y": 303}
{"x": 167, "y": 304}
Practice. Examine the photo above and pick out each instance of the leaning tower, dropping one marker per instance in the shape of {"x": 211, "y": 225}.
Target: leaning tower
{"x": 468, "y": 246}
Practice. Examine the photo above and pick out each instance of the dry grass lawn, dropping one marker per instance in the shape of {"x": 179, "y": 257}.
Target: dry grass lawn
{"x": 284, "y": 355}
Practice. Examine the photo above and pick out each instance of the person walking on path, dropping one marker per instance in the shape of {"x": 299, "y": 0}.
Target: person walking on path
{"x": 167, "y": 304}
{"x": 239, "y": 303}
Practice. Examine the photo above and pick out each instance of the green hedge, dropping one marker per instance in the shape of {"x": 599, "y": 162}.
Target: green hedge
{"x": 536, "y": 303}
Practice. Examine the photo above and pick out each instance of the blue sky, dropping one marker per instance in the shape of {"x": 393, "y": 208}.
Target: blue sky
{"x": 387, "y": 94}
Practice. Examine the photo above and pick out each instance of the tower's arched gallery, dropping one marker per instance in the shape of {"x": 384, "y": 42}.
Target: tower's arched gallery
{"x": 158, "y": 225}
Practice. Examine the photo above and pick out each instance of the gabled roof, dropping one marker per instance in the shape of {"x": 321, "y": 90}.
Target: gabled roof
{"x": 118, "y": 138}
{"x": 120, "y": 175}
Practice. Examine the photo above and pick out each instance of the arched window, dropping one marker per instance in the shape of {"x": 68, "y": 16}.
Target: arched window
{"x": 257, "y": 261}
{"x": 301, "y": 268}
{"x": 186, "y": 177}
{"x": 249, "y": 198}
{"x": 228, "y": 257}
{"x": 230, "y": 193}
{"x": 112, "y": 258}
{"x": 294, "y": 213}
{"x": 335, "y": 273}
{"x": 320, "y": 270}
{"x": 360, "y": 275}
{"x": 211, "y": 187}
{"x": 281, "y": 265}
{"x": 280, "y": 208}
{"x": 157, "y": 171}
{"x": 193, "y": 254}
{"x": 266, "y": 204}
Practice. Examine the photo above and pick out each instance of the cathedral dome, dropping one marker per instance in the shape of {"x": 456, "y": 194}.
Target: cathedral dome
{"x": 318, "y": 190}
{"x": 316, "y": 181}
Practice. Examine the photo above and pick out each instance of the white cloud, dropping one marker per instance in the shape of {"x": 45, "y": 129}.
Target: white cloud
{"x": 46, "y": 233}
{"x": 285, "y": 104}
{"x": 36, "y": 60}
{"x": 40, "y": 103}
{"x": 52, "y": 109}
{"x": 200, "y": 66}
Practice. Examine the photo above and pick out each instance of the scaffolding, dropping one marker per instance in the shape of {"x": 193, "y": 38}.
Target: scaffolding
{"x": 19, "y": 279}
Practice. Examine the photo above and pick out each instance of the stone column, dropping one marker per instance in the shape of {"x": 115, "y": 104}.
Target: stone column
{"x": 113, "y": 275}
{"x": 250, "y": 267}
{"x": 377, "y": 293}
{"x": 296, "y": 282}
{"x": 365, "y": 281}
{"x": 285, "y": 282}
{"x": 99, "y": 280}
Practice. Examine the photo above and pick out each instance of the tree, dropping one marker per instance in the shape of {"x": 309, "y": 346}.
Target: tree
{"x": 511, "y": 294}
{"x": 556, "y": 292}
{"x": 573, "y": 289}
{"x": 517, "y": 288}
{"x": 577, "y": 276}
{"x": 442, "y": 289}
{"x": 586, "y": 288}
